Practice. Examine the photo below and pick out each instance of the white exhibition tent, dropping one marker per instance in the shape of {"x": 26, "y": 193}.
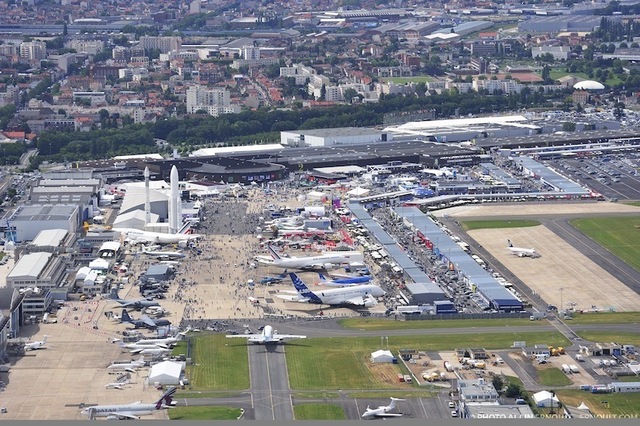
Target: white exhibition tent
{"x": 382, "y": 356}
{"x": 545, "y": 399}
{"x": 315, "y": 195}
{"x": 99, "y": 264}
{"x": 82, "y": 273}
{"x": 166, "y": 373}
{"x": 358, "y": 191}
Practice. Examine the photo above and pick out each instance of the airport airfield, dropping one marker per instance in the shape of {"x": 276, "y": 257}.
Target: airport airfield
{"x": 52, "y": 383}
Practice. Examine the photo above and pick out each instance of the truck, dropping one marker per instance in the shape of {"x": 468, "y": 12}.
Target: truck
{"x": 566, "y": 369}
{"x": 448, "y": 366}
{"x": 579, "y": 358}
{"x": 561, "y": 350}
{"x": 574, "y": 368}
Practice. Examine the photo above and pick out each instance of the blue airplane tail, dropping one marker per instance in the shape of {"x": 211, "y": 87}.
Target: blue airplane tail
{"x": 125, "y": 316}
{"x": 302, "y": 288}
{"x": 322, "y": 277}
{"x": 114, "y": 293}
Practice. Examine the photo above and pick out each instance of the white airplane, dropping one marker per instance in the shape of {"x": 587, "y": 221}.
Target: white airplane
{"x": 138, "y": 236}
{"x": 164, "y": 255}
{"x": 268, "y": 335}
{"x": 118, "y": 385}
{"x": 324, "y": 260}
{"x": 36, "y": 345}
{"x": 131, "y": 367}
{"x": 362, "y": 295}
{"x": 167, "y": 341}
{"x": 383, "y": 410}
{"x": 140, "y": 346}
{"x": 156, "y": 351}
{"x": 131, "y": 411}
{"x": 524, "y": 252}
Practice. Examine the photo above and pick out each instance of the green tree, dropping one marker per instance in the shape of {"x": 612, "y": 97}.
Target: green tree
{"x": 513, "y": 391}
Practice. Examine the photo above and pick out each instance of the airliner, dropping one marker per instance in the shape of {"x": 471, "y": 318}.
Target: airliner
{"x": 36, "y": 345}
{"x": 522, "y": 252}
{"x": 164, "y": 255}
{"x": 345, "y": 281}
{"x": 383, "y": 410}
{"x": 135, "y": 236}
{"x": 128, "y": 366}
{"x": 362, "y": 295}
{"x": 268, "y": 335}
{"x": 167, "y": 341}
{"x": 323, "y": 260}
{"x": 131, "y": 411}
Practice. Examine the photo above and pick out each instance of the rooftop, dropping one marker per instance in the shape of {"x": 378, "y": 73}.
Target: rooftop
{"x": 30, "y": 265}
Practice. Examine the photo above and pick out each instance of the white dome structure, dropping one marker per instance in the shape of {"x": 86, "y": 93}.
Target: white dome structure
{"x": 588, "y": 85}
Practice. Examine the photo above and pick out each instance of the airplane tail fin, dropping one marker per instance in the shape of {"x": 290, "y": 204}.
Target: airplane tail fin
{"x": 274, "y": 254}
{"x": 166, "y": 398}
{"x": 125, "y": 316}
{"x": 322, "y": 277}
{"x": 302, "y": 288}
{"x": 186, "y": 229}
{"x": 114, "y": 293}
{"x": 283, "y": 274}
{"x": 44, "y": 339}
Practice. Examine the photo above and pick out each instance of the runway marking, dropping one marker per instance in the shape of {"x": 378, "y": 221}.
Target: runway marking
{"x": 357, "y": 408}
{"x": 273, "y": 412}
{"x": 424, "y": 410}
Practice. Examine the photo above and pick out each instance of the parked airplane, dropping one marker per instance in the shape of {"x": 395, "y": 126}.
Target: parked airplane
{"x": 164, "y": 255}
{"x": 144, "y": 321}
{"x": 383, "y": 410}
{"x": 167, "y": 341}
{"x": 131, "y": 367}
{"x": 157, "y": 351}
{"x": 131, "y": 411}
{"x": 136, "y": 304}
{"x": 139, "y": 346}
{"x": 522, "y": 252}
{"x": 268, "y": 335}
{"x": 118, "y": 385}
{"x": 276, "y": 279}
{"x": 136, "y": 236}
{"x": 362, "y": 295}
{"x": 344, "y": 282}
{"x": 324, "y": 260}
{"x": 36, "y": 345}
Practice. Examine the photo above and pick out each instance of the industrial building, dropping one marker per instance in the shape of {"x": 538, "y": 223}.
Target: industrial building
{"x": 51, "y": 241}
{"x": 333, "y": 137}
{"x": 27, "y": 221}
{"x": 556, "y": 24}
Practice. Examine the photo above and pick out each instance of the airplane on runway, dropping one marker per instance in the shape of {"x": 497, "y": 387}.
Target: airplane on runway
{"x": 136, "y": 304}
{"x": 135, "y": 236}
{"x": 131, "y": 367}
{"x": 362, "y": 295}
{"x": 268, "y": 335}
{"x": 144, "y": 321}
{"x": 383, "y": 410}
{"x": 522, "y": 252}
{"x": 344, "y": 282}
{"x": 131, "y": 411}
{"x": 164, "y": 255}
{"x": 324, "y": 260}
{"x": 36, "y": 345}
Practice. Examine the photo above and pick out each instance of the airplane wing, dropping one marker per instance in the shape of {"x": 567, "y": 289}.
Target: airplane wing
{"x": 358, "y": 301}
{"x": 292, "y": 298}
{"x": 123, "y": 415}
{"x": 389, "y": 415}
{"x": 287, "y": 336}
{"x": 148, "y": 321}
{"x": 246, "y": 336}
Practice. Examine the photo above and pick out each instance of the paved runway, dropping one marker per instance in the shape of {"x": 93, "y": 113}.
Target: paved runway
{"x": 270, "y": 382}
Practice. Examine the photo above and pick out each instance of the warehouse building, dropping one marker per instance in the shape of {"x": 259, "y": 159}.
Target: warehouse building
{"x": 333, "y": 137}
{"x": 27, "y": 221}
{"x": 51, "y": 241}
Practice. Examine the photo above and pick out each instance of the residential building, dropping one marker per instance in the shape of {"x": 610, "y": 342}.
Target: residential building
{"x": 559, "y": 53}
{"x": 164, "y": 44}
{"x": 33, "y": 50}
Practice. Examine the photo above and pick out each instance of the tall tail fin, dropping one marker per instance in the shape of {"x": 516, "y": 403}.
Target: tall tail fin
{"x": 44, "y": 339}
{"x": 322, "y": 277}
{"x": 166, "y": 398}
{"x": 186, "y": 229}
{"x": 125, "y": 316}
{"x": 114, "y": 293}
{"x": 273, "y": 253}
{"x": 283, "y": 274}
{"x": 302, "y": 288}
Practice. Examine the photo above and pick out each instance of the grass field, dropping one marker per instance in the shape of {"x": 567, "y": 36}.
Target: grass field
{"x": 632, "y": 203}
{"x": 619, "y": 235}
{"x": 217, "y": 364}
{"x": 470, "y": 225}
{"x": 552, "y": 376}
{"x": 606, "y": 336}
{"x": 515, "y": 380}
{"x": 559, "y": 73}
{"x": 332, "y": 363}
{"x": 390, "y": 324}
{"x": 404, "y": 80}
{"x": 204, "y": 413}
{"x": 606, "y": 318}
{"x": 620, "y": 404}
{"x": 318, "y": 412}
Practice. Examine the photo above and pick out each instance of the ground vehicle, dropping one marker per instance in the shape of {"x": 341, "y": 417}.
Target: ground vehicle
{"x": 574, "y": 368}
{"x": 452, "y": 404}
{"x": 454, "y": 413}
{"x": 566, "y": 369}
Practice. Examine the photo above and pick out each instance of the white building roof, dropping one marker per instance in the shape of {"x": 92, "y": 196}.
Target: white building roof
{"x": 381, "y": 353}
{"x": 207, "y": 152}
{"x": 99, "y": 264}
{"x": 110, "y": 245}
{"x": 49, "y": 238}
{"x": 588, "y": 85}
{"x": 139, "y": 156}
{"x": 30, "y": 265}
{"x": 458, "y": 122}
{"x": 133, "y": 215}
